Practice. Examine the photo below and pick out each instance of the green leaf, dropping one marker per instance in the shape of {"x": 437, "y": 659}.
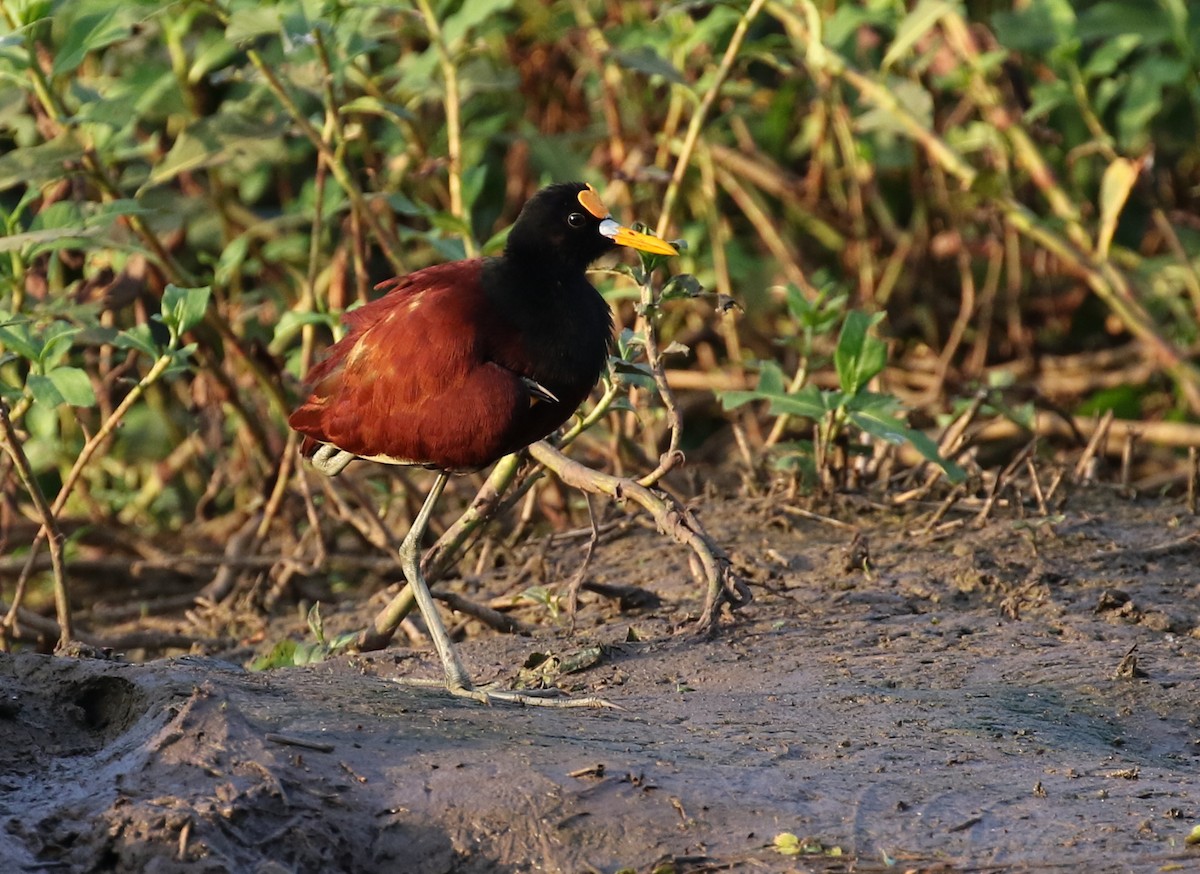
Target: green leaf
{"x": 1047, "y": 97}
{"x": 680, "y": 286}
{"x": 248, "y": 22}
{"x": 56, "y": 343}
{"x": 810, "y": 403}
{"x": 73, "y": 385}
{"x": 649, "y": 62}
{"x": 44, "y": 391}
{"x": 797, "y": 303}
{"x": 1143, "y": 99}
{"x": 731, "y": 400}
{"x": 629, "y": 345}
{"x": 15, "y": 336}
{"x": 859, "y": 357}
{"x": 17, "y": 242}
{"x": 449, "y": 222}
{"x": 923, "y": 18}
{"x": 873, "y": 401}
{"x": 818, "y": 315}
{"x": 316, "y": 624}
{"x": 89, "y": 33}
{"x": 770, "y": 384}
{"x": 34, "y": 165}
{"x": 405, "y": 206}
{"x": 282, "y": 655}
{"x": 291, "y": 322}
{"x": 62, "y": 214}
{"x": 770, "y": 378}
{"x": 913, "y": 98}
{"x": 183, "y": 308}
{"x": 1109, "y": 54}
{"x": 846, "y": 21}
{"x": 1117, "y": 18}
{"x": 787, "y": 844}
{"x": 1041, "y": 26}
{"x": 188, "y": 153}
{"x": 881, "y": 424}
{"x": 140, "y": 338}
{"x": 470, "y": 15}
{"x": 181, "y": 360}
{"x": 210, "y": 57}
{"x": 33, "y": 11}
{"x": 67, "y": 223}
{"x": 218, "y": 140}
{"x": 369, "y": 105}
{"x": 232, "y": 258}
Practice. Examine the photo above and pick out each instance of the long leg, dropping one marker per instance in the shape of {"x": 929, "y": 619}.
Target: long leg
{"x": 458, "y": 682}
{"x": 410, "y": 562}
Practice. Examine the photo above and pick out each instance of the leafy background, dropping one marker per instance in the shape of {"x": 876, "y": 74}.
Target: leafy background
{"x": 1004, "y": 193}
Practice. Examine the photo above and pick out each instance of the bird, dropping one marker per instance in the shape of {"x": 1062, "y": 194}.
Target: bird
{"x": 459, "y": 364}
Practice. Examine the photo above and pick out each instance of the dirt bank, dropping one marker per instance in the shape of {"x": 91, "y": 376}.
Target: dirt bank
{"x": 1013, "y": 698}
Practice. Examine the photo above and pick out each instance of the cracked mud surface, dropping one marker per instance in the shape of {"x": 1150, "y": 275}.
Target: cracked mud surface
{"x": 976, "y": 703}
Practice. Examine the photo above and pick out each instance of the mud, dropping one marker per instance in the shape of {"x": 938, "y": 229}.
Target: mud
{"x": 1022, "y": 697}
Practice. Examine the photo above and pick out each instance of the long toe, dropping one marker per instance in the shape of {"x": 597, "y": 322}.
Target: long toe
{"x": 539, "y": 698}
{"x": 526, "y": 699}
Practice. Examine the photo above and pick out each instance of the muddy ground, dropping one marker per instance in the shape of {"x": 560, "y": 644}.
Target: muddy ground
{"x": 1021, "y": 697}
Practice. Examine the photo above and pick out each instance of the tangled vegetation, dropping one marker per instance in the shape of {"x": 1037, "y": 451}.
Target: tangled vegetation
{"x": 898, "y": 218}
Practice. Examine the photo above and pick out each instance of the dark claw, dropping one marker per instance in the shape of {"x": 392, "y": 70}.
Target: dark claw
{"x": 538, "y": 391}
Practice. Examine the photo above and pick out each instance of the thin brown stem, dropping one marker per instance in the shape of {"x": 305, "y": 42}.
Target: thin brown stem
{"x": 696, "y": 124}
{"x": 654, "y": 358}
{"x": 724, "y": 585}
{"x": 89, "y": 449}
{"x": 336, "y": 167}
{"x": 453, "y": 123}
{"x": 10, "y": 442}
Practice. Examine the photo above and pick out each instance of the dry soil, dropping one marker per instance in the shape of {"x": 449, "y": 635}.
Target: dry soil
{"x": 1019, "y": 697}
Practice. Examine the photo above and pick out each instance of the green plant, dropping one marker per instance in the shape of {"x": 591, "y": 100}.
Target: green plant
{"x": 293, "y": 653}
{"x": 549, "y": 599}
{"x": 851, "y": 409}
{"x": 39, "y": 385}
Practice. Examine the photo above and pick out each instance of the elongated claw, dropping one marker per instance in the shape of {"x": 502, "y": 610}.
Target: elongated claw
{"x": 533, "y": 698}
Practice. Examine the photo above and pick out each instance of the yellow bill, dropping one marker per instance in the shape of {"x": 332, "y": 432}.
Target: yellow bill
{"x": 624, "y": 236}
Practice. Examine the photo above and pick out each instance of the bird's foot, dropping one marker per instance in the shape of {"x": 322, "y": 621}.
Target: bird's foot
{"x": 330, "y": 460}
{"x": 530, "y": 698}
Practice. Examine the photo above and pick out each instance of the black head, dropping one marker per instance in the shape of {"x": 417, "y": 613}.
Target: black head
{"x": 566, "y": 227}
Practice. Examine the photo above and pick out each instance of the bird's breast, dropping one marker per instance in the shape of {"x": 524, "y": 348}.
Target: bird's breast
{"x": 565, "y": 351}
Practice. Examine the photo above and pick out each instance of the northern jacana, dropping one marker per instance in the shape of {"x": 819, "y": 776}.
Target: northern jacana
{"x": 460, "y": 364}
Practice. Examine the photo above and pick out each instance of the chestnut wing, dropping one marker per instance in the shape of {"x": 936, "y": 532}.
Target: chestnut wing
{"x": 411, "y": 382}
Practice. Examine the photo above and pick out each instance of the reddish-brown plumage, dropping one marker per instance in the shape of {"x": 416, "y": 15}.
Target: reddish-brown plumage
{"x": 459, "y": 364}
{"x": 416, "y": 380}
